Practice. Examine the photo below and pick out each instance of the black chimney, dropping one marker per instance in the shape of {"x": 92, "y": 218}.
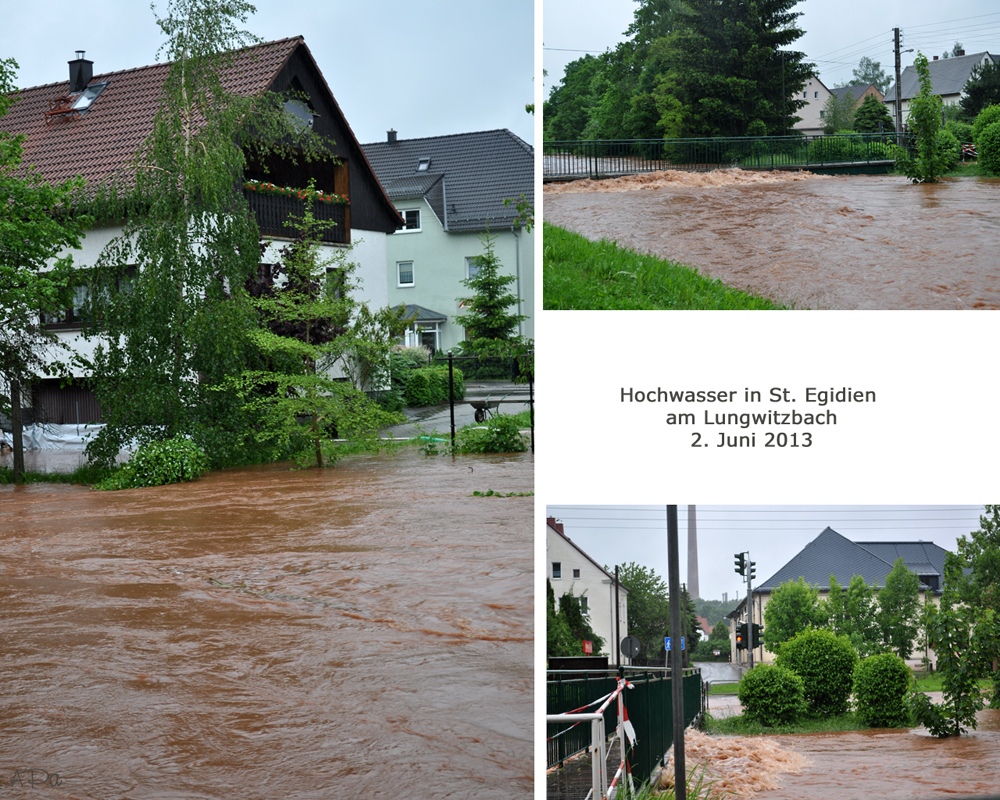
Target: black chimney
{"x": 392, "y": 137}
{"x": 80, "y": 73}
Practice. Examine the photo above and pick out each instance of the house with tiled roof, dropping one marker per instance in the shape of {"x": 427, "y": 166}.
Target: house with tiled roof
{"x": 93, "y": 124}
{"x": 948, "y": 79}
{"x": 832, "y": 553}
{"x": 450, "y": 191}
{"x": 571, "y": 571}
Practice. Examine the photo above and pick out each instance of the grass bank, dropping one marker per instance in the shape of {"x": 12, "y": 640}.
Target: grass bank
{"x": 741, "y": 726}
{"x": 580, "y": 274}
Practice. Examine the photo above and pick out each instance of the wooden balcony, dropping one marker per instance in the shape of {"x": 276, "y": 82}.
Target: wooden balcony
{"x": 273, "y": 213}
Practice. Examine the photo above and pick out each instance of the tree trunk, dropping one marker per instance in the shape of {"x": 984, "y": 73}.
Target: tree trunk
{"x": 17, "y": 429}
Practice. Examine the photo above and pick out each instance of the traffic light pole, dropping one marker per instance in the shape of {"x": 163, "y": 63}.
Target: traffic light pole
{"x": 749, "y": 617}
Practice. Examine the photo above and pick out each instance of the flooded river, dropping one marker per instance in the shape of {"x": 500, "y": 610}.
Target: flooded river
{"x": 365, "y": 631}
{"x": 858, "y": 242}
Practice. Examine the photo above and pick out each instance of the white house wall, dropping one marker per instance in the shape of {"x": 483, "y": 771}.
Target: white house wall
{"x": 592, "y": 583}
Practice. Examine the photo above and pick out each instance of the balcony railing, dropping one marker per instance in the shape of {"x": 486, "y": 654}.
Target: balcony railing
{"x": 274, "y": 214}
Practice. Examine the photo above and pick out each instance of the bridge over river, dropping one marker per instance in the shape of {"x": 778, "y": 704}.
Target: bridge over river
{"x": 838, "y": 153}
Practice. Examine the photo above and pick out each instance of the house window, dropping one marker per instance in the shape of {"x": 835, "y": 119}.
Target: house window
{"x": 805, "y": 95}
{"x": 423, "y": 165}
{"x": 815, "y": 95}
{"x": 424, "y": 334}
{"x": 471, "y": 266}
{"x": 576, "y": 574}
{"x": 411, "y": 220}
{"x": 584, "y": 605}
{"x": 556, "y": 570}
{"x": 822, "y": 113}
{"x": 88, "y": 96}
{"x": 404, "y": 273}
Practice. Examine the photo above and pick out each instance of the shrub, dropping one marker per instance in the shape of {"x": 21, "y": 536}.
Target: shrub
{"x": 428, "y": 386}
{"x": 962, "y": 130}
{"x": 825, "y": 662}
{"x": 772, "y": 695}
{"x": 159, "y": 463}
{"x": 983, "y": 120}
{"x": 880, "y": 686}
{"x": 989, "y": 148}
{"x": 500, "y": 434}
{"x": 949, "y": 145}
{"x": 404, "y": 357}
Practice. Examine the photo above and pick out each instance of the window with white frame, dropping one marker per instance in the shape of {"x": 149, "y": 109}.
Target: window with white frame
{"x": 576, "y": 574}
{"x": 556, "y": 570}
{"x": 424, "y": 334}
{"x": 584, "y": 605}
{"x": 411, "y": 220}
{"x": 404, "y": 273}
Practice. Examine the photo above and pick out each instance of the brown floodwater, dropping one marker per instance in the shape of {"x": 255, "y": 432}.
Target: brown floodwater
{"x": 901, "y": 764}
{"x": 365, "y": 631}
{"x": 852, "y": 242}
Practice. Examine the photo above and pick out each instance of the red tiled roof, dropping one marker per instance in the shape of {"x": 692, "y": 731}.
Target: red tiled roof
{"x": 104, "y": 139}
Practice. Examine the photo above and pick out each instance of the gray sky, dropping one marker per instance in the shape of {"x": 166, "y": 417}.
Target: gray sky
{"x": 425, "y": 69}
{"x": 836, "y": 36}
{"x": 773, "y": 534}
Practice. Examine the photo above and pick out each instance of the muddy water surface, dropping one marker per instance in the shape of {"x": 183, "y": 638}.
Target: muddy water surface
{"x": 858, "y": 242}
{"x": 362, "y": 632}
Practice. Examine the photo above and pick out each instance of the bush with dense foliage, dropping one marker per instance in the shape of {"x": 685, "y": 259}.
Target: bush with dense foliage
{"x": 881, "y": 683}
{"x": 772, "y": 695}
{"x": 983, "y": 120}
{"x": 950, "y": 147}
{"x": 159, "y": 463}
{"x": 499, "y": 434}
{"x": 825, "y": 663}
{"x": 989, "y": 148}
{"x": 428, "y": 386}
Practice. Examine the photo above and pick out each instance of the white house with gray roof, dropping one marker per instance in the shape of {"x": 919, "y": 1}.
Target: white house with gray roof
{"x": 831, "y": 553}
{"x": 948, "y": 79}
{"x": 450, "y": 191}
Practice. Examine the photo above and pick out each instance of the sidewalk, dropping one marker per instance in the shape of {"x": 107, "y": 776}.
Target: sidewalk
{"x": 428, "y": 419}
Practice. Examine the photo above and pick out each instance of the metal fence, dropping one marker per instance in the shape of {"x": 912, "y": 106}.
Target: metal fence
{"x": 649, "y": 707}
{"x": 597, "y": 159}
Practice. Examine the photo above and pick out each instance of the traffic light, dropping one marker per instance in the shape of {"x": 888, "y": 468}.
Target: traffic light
{"x": 741, "y": 563}
{"x": 741, "y": 636}
{"x": 755, "y": 635}
{"x": 752, "y": 572}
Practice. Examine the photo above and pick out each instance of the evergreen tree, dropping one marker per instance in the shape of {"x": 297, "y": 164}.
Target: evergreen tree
{"x": 981, "y": 90}
{"x": 488, "y": 319}
{"x": 731, "y": 66}
{"x": 873, "y": 115}
{"x": 571, "y": 610}
{"x": 559, "y": 639}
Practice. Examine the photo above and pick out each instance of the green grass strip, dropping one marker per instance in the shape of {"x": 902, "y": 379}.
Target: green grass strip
{"x": 580, "y": 274}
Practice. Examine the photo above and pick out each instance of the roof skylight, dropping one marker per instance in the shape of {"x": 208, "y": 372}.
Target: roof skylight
{"x": 87, "y": 96}
{"x": 423, "y": 165}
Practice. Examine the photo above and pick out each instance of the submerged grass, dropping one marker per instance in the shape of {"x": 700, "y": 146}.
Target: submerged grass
{"x": 85, "y": 475}
{"x": 741, "y": 726}
{"x": 580, "y": 274}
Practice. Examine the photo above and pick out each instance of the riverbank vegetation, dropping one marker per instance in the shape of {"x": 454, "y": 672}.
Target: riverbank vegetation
{"x": 580, "y": 274}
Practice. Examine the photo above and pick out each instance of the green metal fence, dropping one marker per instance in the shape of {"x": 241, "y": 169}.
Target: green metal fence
{"x": 649, "y": 707}
{"x": 597, "y": 159}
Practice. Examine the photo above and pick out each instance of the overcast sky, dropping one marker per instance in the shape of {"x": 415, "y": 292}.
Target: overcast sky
{"x": 837, "y": 34}
{"x": 772, "y": 534}
{"x": 425, "y": 69}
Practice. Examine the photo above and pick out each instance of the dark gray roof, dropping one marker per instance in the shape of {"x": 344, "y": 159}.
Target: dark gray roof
{"x": 948, "y": 75}
{"x": 857, "y": 91}
{"x": 421, "y": 314}
{"x": 468, "y": 177}
{"x": 831, "y": 553}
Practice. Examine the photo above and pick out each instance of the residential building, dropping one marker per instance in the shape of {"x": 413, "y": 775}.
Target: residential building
{"x": 831, "y": 553}
{"x": 93, "y": 125}
{"x": 948, "y": 79}
{"x": 815, "y": 94}
{"x": 450, "y": 191}
{"x": 571, "y": 571}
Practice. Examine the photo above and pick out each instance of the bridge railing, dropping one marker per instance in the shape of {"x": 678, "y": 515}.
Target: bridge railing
{"x": 605, "y": 158}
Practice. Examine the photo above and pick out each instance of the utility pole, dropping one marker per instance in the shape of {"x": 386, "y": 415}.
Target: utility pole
{"x": 750, "y": 574}
{"x": 899, "y": 92}
{"x": 676, "y": 670}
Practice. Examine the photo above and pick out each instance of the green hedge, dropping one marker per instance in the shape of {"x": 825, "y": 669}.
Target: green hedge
{"x": 826, "y": 663}
{"x": 772, "y": 695}
{"x": 429, "y": 386}
{"x": 881, "y": 683}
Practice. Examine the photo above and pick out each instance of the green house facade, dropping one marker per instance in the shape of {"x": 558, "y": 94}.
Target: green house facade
{"x": 450, "y": 192}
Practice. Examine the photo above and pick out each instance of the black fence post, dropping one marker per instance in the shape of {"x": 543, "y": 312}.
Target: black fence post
{"x": 531, "y": 402}
{"x": 451, "y": 396}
